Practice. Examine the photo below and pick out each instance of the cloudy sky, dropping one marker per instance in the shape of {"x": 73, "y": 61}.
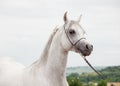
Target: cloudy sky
{"x": 25, "y": 26}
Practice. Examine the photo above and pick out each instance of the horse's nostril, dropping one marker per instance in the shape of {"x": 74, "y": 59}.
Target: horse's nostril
{"x": 87, "y": 47}
{"x": 92, "y": 46}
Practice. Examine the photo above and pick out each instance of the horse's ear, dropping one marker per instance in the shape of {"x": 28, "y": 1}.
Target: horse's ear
{"x": 79, "y": 19}
{"x": 65, "y": 17}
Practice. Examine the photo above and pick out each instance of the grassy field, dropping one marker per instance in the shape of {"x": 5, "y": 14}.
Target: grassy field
{"x": 82, "y": 69}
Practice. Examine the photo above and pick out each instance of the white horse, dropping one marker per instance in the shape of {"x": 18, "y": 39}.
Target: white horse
{"x": 49, "y": 70}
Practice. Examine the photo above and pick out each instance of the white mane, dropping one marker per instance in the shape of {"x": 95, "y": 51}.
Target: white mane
{"x": 43, "y": 58}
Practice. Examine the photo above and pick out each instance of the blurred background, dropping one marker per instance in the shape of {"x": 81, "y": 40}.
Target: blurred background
{"x": 25, "y": 26}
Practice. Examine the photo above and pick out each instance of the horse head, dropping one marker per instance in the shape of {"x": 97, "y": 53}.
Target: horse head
{"x": 73, "y": 37}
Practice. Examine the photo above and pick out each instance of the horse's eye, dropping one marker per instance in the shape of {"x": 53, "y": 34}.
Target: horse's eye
{"x": 72, "y": 32}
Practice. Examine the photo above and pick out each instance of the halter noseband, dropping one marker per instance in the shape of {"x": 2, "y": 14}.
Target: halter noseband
{"x": 73, "y": 44}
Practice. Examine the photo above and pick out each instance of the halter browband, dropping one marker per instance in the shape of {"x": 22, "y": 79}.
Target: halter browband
{"x": 73, "y": 44}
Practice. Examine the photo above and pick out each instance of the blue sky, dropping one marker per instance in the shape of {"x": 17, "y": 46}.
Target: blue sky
{"x": 25, "y": 26}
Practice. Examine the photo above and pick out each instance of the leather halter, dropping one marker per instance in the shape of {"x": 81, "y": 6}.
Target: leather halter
{"x": 73, "y": 44}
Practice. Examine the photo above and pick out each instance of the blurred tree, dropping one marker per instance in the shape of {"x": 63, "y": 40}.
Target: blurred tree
{"x": 73, "y": 80}
{"x": 102, "y": 83}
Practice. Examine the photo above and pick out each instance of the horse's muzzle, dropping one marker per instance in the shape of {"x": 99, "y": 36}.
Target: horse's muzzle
{"x": 84, "y": 48}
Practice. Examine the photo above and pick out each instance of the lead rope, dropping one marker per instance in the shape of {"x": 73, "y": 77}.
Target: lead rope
{"x": 100, "y": 74}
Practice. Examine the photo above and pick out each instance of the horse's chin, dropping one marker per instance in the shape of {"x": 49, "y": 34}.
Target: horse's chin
{"x": 83, "y": 53}
{"x": 86, "y": 54}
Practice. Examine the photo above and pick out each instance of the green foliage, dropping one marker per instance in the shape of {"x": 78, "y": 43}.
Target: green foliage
{"x": 111, "y": 74}
{"x": 90, "y": 85}
{"x": 102, "y": 83}
{"x": 73, "y": 80}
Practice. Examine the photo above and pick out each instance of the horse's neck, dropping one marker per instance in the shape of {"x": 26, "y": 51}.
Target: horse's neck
{"x": 53, "y": 58}
{"x": 43, "y": 58}
{"x": 57, "y": 58}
